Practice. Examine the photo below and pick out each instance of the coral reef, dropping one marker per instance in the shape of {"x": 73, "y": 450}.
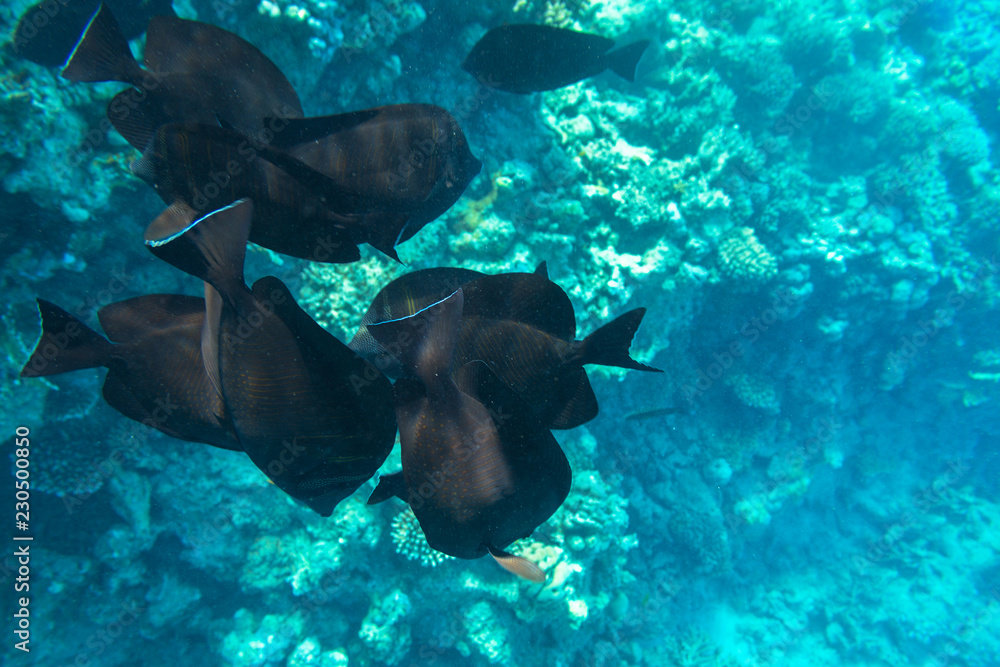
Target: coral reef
{"x": 803, "y": 196}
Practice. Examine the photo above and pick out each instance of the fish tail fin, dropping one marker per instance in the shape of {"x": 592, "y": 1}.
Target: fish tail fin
{"x": 389, "y": 486}
{"x": 102, "y": 54}
{"x": 424, "y": 343}
{"x": 608, "y": 346}
{"x": 66, "y": 344}
{"x": 623, "y": 61}
{"x": 517, "y": 565}
{"x": 211, "y": 248}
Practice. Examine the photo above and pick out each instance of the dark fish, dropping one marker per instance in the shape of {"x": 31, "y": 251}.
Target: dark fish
{"x": 523, "y": 58}
{"x": 156, "y": 375}
{"x": 195, "y": 72}
{"x": 523, "y": 326}
{"x": 197, "y": 168}
{"x": 47, "y": 32}
{"x": 310, "y": 413}
{"x": 405, "y": 296}
{"x": 476, "y": 481}
{"x": 526, "y": 297}
{"x": 405, "y": 159}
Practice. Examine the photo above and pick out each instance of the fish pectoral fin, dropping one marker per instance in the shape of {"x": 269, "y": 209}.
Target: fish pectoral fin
{"x": 522, "y": 567}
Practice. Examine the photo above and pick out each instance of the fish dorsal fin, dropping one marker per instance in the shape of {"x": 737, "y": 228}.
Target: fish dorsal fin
{"x": 212, "y": 248}
{"x": 424, "y": 342}
{"x": 528, "y": 298}
{"x": 210, "y": 336}
{"x": 389, "y": 486}
{"x": 517, "y": 565}
{"x": 102, "y": 54}
{"x": 298, "y": 131}
{"x": 125, "y": 321}
{"x": 542, "y": 270}
{"x": 182, "y": 46}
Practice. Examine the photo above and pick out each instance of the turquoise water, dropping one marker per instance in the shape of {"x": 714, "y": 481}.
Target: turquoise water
{"x": 803, "y": 196}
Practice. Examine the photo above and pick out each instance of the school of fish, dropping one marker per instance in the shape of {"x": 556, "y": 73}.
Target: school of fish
{"x": 473, "y": 371}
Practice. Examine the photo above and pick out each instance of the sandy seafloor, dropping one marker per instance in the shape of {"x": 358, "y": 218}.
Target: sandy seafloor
{"x": 804, "y": 196}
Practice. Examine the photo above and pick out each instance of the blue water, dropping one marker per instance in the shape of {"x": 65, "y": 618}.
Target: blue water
{"x": 804, "y": 197}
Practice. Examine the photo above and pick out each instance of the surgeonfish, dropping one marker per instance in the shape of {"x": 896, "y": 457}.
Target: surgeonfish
{"x": 316, "y": 418}
{"x": 477, "y": 478}
{"x": 409, "y": 162}
{"x": 526, "y": 58}
{"x": 194, "y": 73}
{"x": 522, "y": 325}
{"x": 156, "y": 375}
{"x": 197, "y": 168}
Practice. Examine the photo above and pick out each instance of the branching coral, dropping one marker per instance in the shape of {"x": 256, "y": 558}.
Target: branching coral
{"x": 410, "y": 541}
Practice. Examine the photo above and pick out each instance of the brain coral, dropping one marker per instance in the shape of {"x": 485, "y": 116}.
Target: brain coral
{"x": 745, "y": 261}
{"x": 756, "y": 392}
